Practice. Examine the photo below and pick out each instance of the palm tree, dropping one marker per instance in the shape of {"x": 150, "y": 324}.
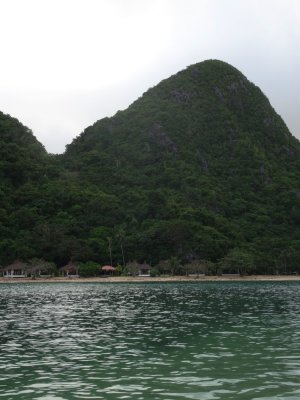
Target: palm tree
{"x": 174, "y": 263}
{"x": 120, "y": 237}
{"x": 109, "y": 240}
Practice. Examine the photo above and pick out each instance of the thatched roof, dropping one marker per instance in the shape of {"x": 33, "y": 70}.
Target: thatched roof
{"x": 17, "y": 264}
{"x": 108, "y": 268}
{"x": 145, "y": 266}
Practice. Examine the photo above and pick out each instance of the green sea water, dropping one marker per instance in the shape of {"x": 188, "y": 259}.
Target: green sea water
{"x": 150, "y": 341}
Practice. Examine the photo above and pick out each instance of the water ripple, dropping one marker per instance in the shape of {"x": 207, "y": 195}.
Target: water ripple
{"x": 155, "y": 341}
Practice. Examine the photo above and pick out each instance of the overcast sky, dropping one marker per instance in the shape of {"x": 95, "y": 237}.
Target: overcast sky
{"x": 67, "y": 63}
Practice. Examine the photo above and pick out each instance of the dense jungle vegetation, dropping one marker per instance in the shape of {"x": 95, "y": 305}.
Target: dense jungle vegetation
{"x": 199, "y": 168}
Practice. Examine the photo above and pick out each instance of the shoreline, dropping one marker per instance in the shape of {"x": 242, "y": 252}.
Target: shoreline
{"x": 140, "y": 279}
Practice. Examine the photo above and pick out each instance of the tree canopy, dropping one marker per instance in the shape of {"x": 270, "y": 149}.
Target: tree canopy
{"x": 199, "y": 168}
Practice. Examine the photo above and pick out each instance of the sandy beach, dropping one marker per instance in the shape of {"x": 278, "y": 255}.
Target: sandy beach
{"x": 142, "y": 279}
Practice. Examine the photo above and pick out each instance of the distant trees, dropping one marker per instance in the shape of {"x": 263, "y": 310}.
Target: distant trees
{"x": 39, "y": 266}
{"x": 89, "y": 268}
{"x": 199, "y": 267}
{"x": 239, "y": 261}
{"x": 132, "y": 268}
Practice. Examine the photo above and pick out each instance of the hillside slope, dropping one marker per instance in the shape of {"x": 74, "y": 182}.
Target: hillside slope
{"x": 199, "y": 167}
{"x": 201, "y": 163}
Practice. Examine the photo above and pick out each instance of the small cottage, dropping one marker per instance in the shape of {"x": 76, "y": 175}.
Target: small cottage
{"x": 144, "y": 269}
{"x": 108, "y": 270}
{"x": 17, "y": 269}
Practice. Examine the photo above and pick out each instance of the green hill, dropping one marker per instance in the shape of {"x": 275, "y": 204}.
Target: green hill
{"x": 22, "y": 165}
{"x": 21, "y": 155}
{"x": 200, "y": 166}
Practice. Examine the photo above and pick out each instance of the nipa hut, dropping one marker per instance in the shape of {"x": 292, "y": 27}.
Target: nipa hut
{"x": 17, "y": 269}
{"x": 108, "y": 269}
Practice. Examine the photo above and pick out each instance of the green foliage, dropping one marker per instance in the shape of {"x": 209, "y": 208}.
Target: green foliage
{"x": 199, "y": 267}
{"x": 238, "y": 261}
{"x": 132, "y": 268}
{"x": 39, "y": 266}
{"x": 89, "y": 269}
{"x": 199, "y": 168}
{"x": 154, "y": 272}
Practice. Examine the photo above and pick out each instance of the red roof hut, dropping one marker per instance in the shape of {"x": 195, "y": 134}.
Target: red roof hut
{"x": 108, "y": 269}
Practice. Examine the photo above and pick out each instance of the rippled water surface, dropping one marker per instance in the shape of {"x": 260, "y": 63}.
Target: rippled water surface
{"x": 150, "y": 341}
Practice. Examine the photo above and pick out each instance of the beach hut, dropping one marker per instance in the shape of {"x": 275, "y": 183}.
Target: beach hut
{"x": 108, "y": 269}
{"x": 144, "y": 269}
{"x": 17, "y": 269}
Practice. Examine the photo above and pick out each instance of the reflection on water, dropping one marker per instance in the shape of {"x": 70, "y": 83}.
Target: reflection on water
{"x": 150, "y": 341}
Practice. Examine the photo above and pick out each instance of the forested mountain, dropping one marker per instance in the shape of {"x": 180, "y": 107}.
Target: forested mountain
{"x": 199, "y": 167}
